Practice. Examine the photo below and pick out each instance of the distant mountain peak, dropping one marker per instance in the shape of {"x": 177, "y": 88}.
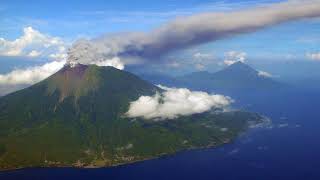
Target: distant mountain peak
{"x": 240, "y": 66}
{"x": 239, "y": 63}
{"x": 237, "y": 77}
{"x": 238, "y": 70}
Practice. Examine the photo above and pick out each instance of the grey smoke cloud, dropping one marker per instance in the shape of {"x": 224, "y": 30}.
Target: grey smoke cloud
{"x": 193, "y": 30}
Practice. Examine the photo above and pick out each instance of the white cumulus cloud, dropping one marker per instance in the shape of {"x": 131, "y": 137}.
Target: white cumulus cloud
{"x": 175, "y": 102}
{"x": 33, "y": 43}
{"x": 232, "y": 57}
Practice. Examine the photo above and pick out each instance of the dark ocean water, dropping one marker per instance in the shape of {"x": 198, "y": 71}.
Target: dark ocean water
{"x": 289, "y": 149}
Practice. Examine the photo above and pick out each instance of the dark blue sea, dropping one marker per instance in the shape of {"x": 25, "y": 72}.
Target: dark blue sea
{"x": 289, "y": 149}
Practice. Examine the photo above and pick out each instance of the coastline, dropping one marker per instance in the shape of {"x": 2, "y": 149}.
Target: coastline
{"x": 265, "y": 122}
{"x": 164, "y": 155}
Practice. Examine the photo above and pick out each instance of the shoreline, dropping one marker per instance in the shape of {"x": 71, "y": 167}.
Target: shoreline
{"x": 164, "y": 155}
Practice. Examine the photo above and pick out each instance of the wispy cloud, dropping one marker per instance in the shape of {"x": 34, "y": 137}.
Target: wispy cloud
{"x": 265, "y": 74}
{"x": 309, "y": 39}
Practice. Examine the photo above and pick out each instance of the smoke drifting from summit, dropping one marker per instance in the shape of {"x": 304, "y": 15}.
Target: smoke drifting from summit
{"x": 86, "y": 52}
{"x": 189, "y": 31}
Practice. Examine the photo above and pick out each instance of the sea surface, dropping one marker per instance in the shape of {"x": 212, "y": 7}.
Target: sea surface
{"x": 288, "y": 149}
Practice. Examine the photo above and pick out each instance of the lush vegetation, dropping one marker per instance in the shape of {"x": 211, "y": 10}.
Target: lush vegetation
{"x": 75, "y": 118}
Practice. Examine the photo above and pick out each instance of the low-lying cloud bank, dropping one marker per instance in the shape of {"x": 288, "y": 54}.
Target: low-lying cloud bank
{"x": 193, "y": 30}
{"x": 31, "y": 75}
{"x": 175, "y": 102}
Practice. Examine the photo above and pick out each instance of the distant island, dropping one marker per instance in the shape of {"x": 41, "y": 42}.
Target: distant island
{"x": 237, "y": 78}
{"x": 75, "y": 118}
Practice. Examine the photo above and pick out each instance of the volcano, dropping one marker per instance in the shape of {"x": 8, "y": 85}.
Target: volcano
{"x": 237, "y": 78}
{"x": 76, "y": 118}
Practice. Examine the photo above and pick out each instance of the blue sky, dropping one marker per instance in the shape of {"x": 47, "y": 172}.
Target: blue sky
{"x": 76, "y": 18}
{"x": 70, "y": 20}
